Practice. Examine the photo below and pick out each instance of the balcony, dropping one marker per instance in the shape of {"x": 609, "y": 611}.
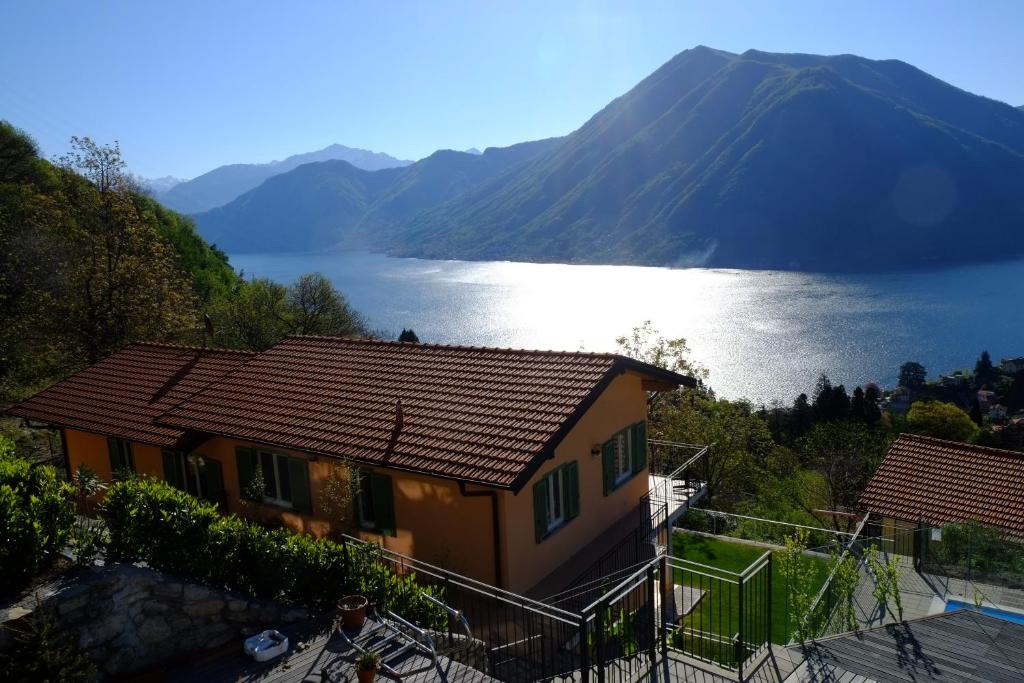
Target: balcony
{"x": 678, "y": 479}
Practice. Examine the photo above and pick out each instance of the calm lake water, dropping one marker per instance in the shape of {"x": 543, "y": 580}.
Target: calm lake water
{"x": 763, "y": 335}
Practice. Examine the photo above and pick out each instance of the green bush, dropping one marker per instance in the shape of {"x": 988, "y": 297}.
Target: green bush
{"x": 41, "y": 653}
{"x": 151, "y": 521}
{"x": 36, "y": 517}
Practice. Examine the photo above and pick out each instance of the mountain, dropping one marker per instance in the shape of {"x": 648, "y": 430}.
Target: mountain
{"x": 157, "y": 186}
{"x": 334, "y": 203}
{"x": 225, "y": 183}
{"x": 755, "y": 160}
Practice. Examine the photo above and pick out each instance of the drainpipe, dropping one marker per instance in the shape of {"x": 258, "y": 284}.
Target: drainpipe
{"x": 496, "y": 526}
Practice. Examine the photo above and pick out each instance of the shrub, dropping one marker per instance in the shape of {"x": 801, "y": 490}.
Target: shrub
{"x": 150, "y": 521}
{"x": 40, "y": 653}
{"x": 36, "y": 517}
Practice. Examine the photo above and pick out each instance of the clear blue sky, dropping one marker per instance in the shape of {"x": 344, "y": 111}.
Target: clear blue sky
{"x": 186, "y": 86}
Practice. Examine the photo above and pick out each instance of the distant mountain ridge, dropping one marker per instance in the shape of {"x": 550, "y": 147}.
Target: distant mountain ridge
{"x": 755, "y": 160}
{"x": 225, "y": 183}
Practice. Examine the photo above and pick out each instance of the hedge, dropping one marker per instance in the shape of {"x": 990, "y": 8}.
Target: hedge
{"x": 153, "y": 522}
{"x": 36, "y": 516}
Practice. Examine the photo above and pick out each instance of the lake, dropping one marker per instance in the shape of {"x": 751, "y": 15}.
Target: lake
{"x": 763, "y": 335}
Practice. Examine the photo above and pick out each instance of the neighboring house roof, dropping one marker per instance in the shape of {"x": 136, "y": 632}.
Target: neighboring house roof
{"x": 945, "y": 481}
{"x": 481, "y": 415}
{"x": 123, "y": 394}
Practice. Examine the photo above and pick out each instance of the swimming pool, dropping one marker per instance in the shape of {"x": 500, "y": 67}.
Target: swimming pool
{"x": 991, "y": 611}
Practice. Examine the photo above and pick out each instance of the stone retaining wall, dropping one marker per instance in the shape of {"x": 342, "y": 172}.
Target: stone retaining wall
{"x": 130, "y": 619}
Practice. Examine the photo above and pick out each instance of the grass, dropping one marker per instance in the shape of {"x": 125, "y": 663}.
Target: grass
{"x": 718, "y": 610}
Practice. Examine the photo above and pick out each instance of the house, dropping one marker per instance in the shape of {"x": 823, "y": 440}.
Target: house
{"x": 1011, "y": 366}
{"x": 997, "y": 412}
{"x": 937, "y": 482}
{"x": 495, "y": 463}
{"x": 953, "y": 381}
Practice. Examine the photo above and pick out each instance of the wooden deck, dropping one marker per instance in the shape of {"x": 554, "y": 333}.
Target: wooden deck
{"x": 955, "y": 647}
{"x": 316, "y": 654}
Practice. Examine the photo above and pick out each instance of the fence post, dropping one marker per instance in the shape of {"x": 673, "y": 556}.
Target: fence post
{"x": 347, "y": 565}
{"x": 667, "y": 595}
{"x": 652, "y": 649}
{"x": 739, "y": 645}
{"x": 599, "y": 643}
{"x": 769, "y": 609}
{"x": 584, "y": 651}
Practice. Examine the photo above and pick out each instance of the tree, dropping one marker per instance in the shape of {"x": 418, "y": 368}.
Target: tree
{"x": 842, "y": 456}
{"x": 255, "y": 316}
{"x": 803, "y": 416}
{"x": 984, "y": 371}
{"x": 740, "y": 445}
{"x": 831, "y": 403}
{"x": 316, "y": 307}
{"x": 941, "y": 420}
{"x": 122, "y": 281}
{"x": 912, "y": 375}
{"x": 872, "y": 401}
{"x": 408, "y": 336}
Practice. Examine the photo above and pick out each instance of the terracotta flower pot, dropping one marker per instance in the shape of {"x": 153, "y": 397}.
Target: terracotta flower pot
{"x": 353, "y": 614}
{"x": 366, "y": 676}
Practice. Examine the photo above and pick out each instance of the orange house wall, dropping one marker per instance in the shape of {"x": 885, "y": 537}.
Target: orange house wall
{"x": 434, "y": 522}
{"x": 623, "y": 403}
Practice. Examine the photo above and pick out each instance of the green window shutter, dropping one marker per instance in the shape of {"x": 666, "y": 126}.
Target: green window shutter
{"x": 540, "y": 509}
{"x": 174, "y": 474}
{"x": 213, "y": 481}
{"x": 608, "y": 465}
{"x": 246, "y": 461}
{"x": 571, "y": 481}
{"x": 298, "y": 475}
{"x": 638, "y": 432}
{"x": 383, "y": 504}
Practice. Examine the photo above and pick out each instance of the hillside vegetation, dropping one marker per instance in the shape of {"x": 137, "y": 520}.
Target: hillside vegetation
{"x": 88, "y": 264}
{"x": 754, "y": 160}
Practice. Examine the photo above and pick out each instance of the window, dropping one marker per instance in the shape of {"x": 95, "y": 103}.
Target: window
{"x": 556, "y": 500}
{"x": 375, "y": 507}
{"x": 624, "y": 456}
{"x": 197, "y": 474}
{"x": 285, "y": 478}
{"x": 121, "y": 459}
{"x": 277, "y": 486}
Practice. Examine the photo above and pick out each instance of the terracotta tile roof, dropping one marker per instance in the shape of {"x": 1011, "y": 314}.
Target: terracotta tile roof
{"x": 124, "y": 393}
{"x": 474, "y": 414}
{"x": 946, "y": 481}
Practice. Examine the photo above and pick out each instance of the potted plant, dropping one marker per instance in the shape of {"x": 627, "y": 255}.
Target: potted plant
{"x": 367, "y": 666}
{"x": 353, "y": 612}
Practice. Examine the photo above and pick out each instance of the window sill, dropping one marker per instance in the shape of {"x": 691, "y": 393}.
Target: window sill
{"x": 554, "y": 530}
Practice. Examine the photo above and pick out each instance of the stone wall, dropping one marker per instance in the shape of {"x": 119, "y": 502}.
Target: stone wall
{"x": 130, "y": 619}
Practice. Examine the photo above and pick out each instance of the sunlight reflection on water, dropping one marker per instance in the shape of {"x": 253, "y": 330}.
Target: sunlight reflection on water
{"x": 762, "y": 334}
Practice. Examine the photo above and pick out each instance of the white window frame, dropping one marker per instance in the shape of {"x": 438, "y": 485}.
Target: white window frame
{"x": 556, "y": 499}
{"x": 623, "y": 457}
{"x": 280, "y": 460}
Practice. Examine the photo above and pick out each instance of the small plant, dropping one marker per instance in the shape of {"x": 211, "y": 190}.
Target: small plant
{"x": 368, "y": 661}
{"x": 887, "y": 582}
{"x": 87, "y": 542}
{"x": 845, "y": 579}
{"x": 799, "y": 572}
{"x": 337, "y": 495}
{"x": 40, "y": 653}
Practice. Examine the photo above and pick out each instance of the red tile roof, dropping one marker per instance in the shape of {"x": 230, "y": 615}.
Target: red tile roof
{"x": 945, "y": 481}
{"x": 480, "y": 415}
{"x": 122, "y": 395}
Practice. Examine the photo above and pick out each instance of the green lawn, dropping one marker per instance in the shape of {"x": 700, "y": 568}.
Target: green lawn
{"x": 718, "y": 610}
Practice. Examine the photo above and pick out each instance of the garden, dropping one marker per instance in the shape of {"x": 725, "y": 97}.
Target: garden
{"x": 717, "y": 610}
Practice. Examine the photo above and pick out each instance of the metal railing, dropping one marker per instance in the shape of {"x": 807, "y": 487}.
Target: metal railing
{"x": 630, "y": 622}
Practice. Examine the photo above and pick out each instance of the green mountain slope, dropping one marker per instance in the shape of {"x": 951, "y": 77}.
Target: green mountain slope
{"x": 752, "y": 160}
{"x": 333, "y": 203}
